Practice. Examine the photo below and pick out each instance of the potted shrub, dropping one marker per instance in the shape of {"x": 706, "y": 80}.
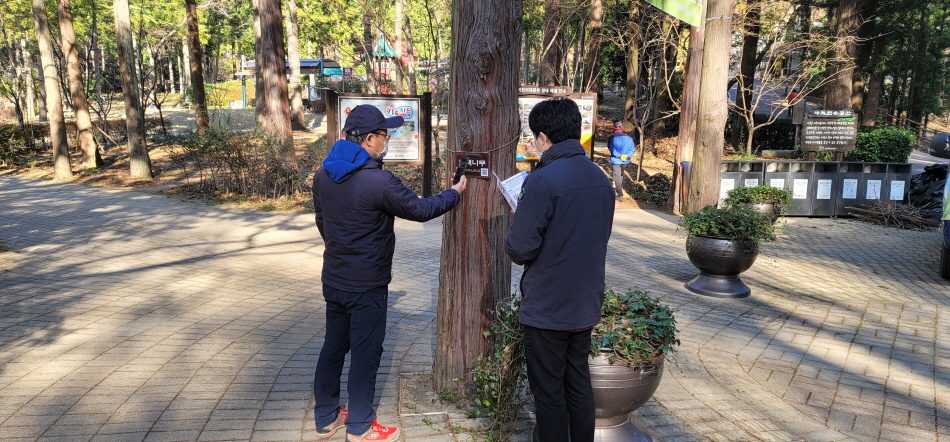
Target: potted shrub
{"x": 722, "y": 243}
{"x": 628, "y": 348}
{"x": 763, "y": 199}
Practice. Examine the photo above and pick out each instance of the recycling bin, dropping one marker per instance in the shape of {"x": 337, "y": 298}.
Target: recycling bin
{"x": 872, "y": 183}
{"x": 846, "y": 191}
{"x": 776, "y": 174}
{"x": 801, "y": 185}
{"x": 822, "y": 197}
{"x": 735, "y": 174}
{"x": 897, "y": 182}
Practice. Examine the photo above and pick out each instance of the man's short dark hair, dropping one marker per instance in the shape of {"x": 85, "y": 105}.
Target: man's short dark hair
{"x": 357, "y": 139}
{"x": 558, "y": 118}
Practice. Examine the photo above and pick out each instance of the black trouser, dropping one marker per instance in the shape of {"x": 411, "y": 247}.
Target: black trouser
{"x": 559, "y": 377}
{"x": 618, "y": 178}
{"x": 356, "y": 321}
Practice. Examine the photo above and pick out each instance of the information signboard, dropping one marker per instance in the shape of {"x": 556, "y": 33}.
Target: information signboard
{"x": 529, "y": 96}
{"x": 829, "y": 130}
{"x": 405, "y": 145}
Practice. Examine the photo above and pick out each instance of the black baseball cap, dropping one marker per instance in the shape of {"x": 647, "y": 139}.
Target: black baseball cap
{"x": 365, "y": 118}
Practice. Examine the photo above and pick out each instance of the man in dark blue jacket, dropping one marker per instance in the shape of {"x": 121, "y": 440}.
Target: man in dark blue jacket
{"x": 356, "y": 203}
{"x": 559, "y": 233}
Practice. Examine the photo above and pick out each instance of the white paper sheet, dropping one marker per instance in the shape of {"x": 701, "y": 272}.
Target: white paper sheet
{"x": 849, "y": 189}
{"x": 824, "y": 190}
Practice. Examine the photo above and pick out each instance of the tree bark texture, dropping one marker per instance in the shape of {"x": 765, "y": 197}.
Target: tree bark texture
{"x": 863, "y": 55}
{"x": 875, "y": 84}
{"x": 185, "y": 64}
{"x": 273, "y": 106}
{"x": 54, "y": 100}
{"x": 592, "y": 70}
{"x": 665, "y": 64}
{"x": 633, "y": 70}
{"x": 31, "y": 110}
{"x": 84, "y": 129}
{"x": 707, "y": 154}
{"x": 915, "y": 109}
{"x": 475, "y": 272}
{"x": 838, "y": 90}
{"x": 750, "y": 47}
{"x": 372, "y": 85}
{"x": 297, "y": 120}
{"x": 551, "y": 44}
{"x": 140, "y": 165}
{"x": 195, "y": 67}
{"x": 689, "y": 109}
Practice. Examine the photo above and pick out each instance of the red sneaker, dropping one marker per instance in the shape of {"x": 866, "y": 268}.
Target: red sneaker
{"x": 377, "y": 433}
{"x": 339, "y": 422}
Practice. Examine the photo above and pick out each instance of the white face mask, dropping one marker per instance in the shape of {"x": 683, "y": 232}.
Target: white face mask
{"x": 381, "y": 155}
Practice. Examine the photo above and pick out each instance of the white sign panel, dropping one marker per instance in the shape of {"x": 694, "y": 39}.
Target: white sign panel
{"x": 824, "y": 190}
{"x": 725, "y": 186}
{"x": 778, "y": 183}
{"x": 405, "y": 144}
{"x": 897, "y": 190}
{"x": 800, "y": 189}
{"x": 849, "y": 189}
{"x": 873, "y": 190}
{"x": 751, "y": 182}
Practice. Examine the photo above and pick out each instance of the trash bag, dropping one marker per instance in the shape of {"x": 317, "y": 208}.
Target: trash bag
{"x": 926, "y": 190}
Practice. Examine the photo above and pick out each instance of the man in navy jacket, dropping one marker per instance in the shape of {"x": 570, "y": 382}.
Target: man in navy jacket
{"x": 559, "y": 233}
{"x": 356, "y": 203}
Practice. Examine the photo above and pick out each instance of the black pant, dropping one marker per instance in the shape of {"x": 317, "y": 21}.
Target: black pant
{"x": 559, "y": 377}
{"x": 356, "y": 321}
{"x": 618, "y": 178}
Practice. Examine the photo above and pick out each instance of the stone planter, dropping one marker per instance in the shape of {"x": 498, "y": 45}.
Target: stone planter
{"x": 720, "y": 261}
{"x": 619, "y": 389}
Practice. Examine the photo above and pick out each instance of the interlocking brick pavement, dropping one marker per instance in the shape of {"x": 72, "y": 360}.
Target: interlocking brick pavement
{"x": 134, "y": 317}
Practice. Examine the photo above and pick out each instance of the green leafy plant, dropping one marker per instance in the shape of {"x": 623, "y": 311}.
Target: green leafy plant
{"x": 882, "y": 144}
{"x": 739, "y": 224}
{"x": 763, "y": 194}
{"x": 500, "y": 378}
{"x": 636, "y": 327}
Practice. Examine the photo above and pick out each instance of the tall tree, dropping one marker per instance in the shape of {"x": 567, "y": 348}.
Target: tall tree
{"x": 192, "y": 59}
{"x": 551, "y": 52}
{"x": 841, "y": 67}
{"x": 592, "y": 70}
{"x": 140, "y": 165}
{"x": 398, "y": 48}
{"x": 368, "y": 57}
{"x": 475, "y": 273}
{"x": 54, "y": 101}
{"x": 273, "y": 106}
{"x": 77, "y": 90}
{"x": 707, "y": 151}
{"x": 293, "y": 57}
{"x": 633, "y": 66}
{"x": 689, "y": 109}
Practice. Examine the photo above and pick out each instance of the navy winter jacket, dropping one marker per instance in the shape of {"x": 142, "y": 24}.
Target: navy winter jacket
{"x": 559, "y": 233}
{"x": 356, "y": 203}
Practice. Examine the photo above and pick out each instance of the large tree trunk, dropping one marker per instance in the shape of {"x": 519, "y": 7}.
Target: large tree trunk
{"x": 592, "y": 64}
{"x": 196, "y": 68}
{"x": 746, "y": 86}
{"x": 29, "y": 79}
{"x": 875, "y": 84}
{"x": 667, "y": 60}
{"x": 551, "y": 44}
{"x": 707, "y": 154}
{"x": 475, "y": 273}
{"x": 54, "y": 101}
{"x": 689, "y": 109}
{"x": 87, "y": 140}
{"x": 297, "y": 120}
{"x": 863, "y": 53}
{"x": 185, "y": 65}
{"x": 838, "y": 90}
{"x": 140, "y": 165}
{"x": 273, "y": 106}
{"x": 410, "y": 58}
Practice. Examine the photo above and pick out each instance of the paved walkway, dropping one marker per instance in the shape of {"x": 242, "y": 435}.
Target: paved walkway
{"x": 129, "y": 317}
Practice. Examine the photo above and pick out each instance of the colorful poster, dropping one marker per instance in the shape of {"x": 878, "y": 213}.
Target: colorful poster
{"x": 405, "y": 145}
{"x": 586, "y": 104}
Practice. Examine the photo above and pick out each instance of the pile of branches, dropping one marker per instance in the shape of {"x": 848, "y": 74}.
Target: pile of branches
{"x": 902, "y": 216}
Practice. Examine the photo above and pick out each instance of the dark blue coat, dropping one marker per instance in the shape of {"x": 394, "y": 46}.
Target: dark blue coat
{"x": 560, "y": 233}
{"x": 356, "y": 203}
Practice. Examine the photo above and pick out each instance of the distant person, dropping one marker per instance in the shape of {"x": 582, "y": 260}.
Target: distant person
{"x": 792, "y": 97}
{"x": 559, "y": 234}
{"x": 356, "y": 203}
{"x": 621, "y": 148}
